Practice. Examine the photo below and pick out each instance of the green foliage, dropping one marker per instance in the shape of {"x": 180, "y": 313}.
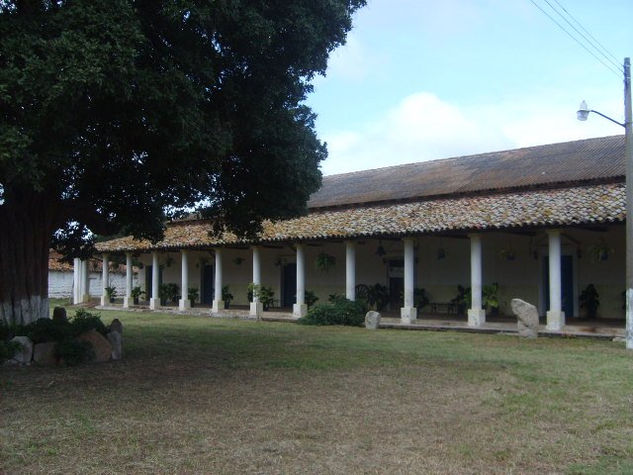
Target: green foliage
{"x": 84, "y": 321}
{"x": 8, "y": 349}
{"x": 324, "y": 261}
{"x": 489, "y": 298}
{"x": 45, "y": 329}
{"x": 338, "y": 311}
{"x": 168, "y": 293}
{"x": 462, "y": 299}
{"x": 137, "y": 292}
{"x": 590, "y": 300}
{"x": 310, "y": 298}
{"x": 377, "y": 296}
{"x": 227, "y": 296}
{"x": 74, "y": 352}
{"x": 421, "y": 298}
{"x": 266, "y": 295}
{"x": 171, "y": 105}
{"x": 64, "y": 332}
{"x": 110, "y": 292}
{"x": 192, "y": 294}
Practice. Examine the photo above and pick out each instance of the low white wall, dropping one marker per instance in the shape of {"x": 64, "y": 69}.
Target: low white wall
{"x": 60, "y": 284}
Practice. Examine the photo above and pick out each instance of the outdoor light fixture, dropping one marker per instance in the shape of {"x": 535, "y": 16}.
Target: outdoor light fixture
{"x": 583, "y": 112}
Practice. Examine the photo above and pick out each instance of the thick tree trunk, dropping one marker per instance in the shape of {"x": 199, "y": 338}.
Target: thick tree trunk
{"x": 25, "y": 236}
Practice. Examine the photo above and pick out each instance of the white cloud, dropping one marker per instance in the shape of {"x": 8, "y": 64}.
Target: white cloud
{"x": 424, "y": 127}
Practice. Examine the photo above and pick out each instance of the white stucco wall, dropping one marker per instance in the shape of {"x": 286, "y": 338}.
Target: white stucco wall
{"x": 60, "y": 284}
{"x": 518, "y": 278}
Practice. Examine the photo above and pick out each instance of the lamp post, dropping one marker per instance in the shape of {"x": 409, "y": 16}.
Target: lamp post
{"x": 582, "y": 114}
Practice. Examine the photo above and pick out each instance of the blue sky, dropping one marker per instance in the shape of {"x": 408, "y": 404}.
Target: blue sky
{"x": 421, "y": 80}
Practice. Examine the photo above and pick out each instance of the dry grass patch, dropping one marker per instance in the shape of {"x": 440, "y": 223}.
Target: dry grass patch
{"x": 220, "y": 396}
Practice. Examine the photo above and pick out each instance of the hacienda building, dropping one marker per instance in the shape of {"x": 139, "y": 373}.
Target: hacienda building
{"x": 541, "y": 223}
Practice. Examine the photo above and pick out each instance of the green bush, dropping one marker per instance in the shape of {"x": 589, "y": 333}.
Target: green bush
{"x": 8, "y": 349}
{"x": 74, "y": 352}
{"x": 338, "y": 311}
{"x": 84, "y": 321}
{"x": 45, "y": 329}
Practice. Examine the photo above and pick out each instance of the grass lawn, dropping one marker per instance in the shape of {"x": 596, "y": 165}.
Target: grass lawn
{"x": 196, "y": 394}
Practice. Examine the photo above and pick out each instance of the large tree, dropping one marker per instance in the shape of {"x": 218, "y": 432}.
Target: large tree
{"x": 114, "y": 114}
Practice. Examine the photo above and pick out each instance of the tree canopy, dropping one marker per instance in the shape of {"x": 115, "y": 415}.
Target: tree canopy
{"x": 114, "y": 114}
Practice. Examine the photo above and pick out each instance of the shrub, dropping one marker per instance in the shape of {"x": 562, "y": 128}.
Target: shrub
{"x": 45, "y": 329}
{"x": 8, "y": 349}
{"x": 84, "y": 321}
{"x": 338, "y": 311}
{"x": 311, "y": 298}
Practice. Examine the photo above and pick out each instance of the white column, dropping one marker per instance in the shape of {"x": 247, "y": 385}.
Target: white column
{"x": 85, "y": 281}
{"x": 105, "y": 279}
{"x": 76, "y": 281}
{"x": 218, "y": 303}
{"x": 299, "y": 309}
{"x": 127, "y": 300}
{"x": 154, "y": 301}
{"x": 256, "y": 306}
{"x": 184, "y": 303}
{"x": 476, "y": 314}
{"x": 555, "y": 315}
{"x": 408, "y": 313}
{"x": 350, "y": 270}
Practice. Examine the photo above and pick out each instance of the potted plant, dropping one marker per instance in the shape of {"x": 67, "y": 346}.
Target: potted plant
{"x": 324, "y": 261}
{"x": 421, "y": 298}
{"x": 377, "y": 296}
{"x": 227, "y": 297}
{"x": 489, "y": 298}
{"x": 136, "y": 294}
{"x": 590, "y": 301}
{"x": 111, "y": 293}
{"x": 266, "y": 297}
{"x": 192, "y": 295}
{"x": 173, "y": 293}
{"x": 168, "y": 293}
{"x": 462, "y": 300}
{"x": 163, "y": 294}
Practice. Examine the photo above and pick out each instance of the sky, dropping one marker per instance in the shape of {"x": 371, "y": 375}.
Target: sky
{"x": 427, "y": 79}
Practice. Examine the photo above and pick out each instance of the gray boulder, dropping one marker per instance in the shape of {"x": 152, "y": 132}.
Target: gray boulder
{"x": 25, "y": 354}
{"x": 372, "y": 320}
{"x": 116, "y": 326}
{"x": 59, "y": 314}
{"x": 527, "y": 318}
{"x": 115, "y": 340}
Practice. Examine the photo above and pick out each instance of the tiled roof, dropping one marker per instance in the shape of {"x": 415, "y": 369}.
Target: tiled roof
{"x": 569, "y": 162}
{"x": 587, "y": 204}
{"x": 55, "y": 264}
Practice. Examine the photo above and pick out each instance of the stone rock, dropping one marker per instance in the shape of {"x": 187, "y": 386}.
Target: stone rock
{"x": 44, "y": 353}
{"x": 116, "y": 326}
{"x": 618, "y": 339}
{"x": 59, "y": 313}
{"x": 372, "y": 320}
{"x": 115, "y": 340}
{"x": 25, "y": 354}
{"x": 527, "y": 318}
{"x": 100, "y": 345}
